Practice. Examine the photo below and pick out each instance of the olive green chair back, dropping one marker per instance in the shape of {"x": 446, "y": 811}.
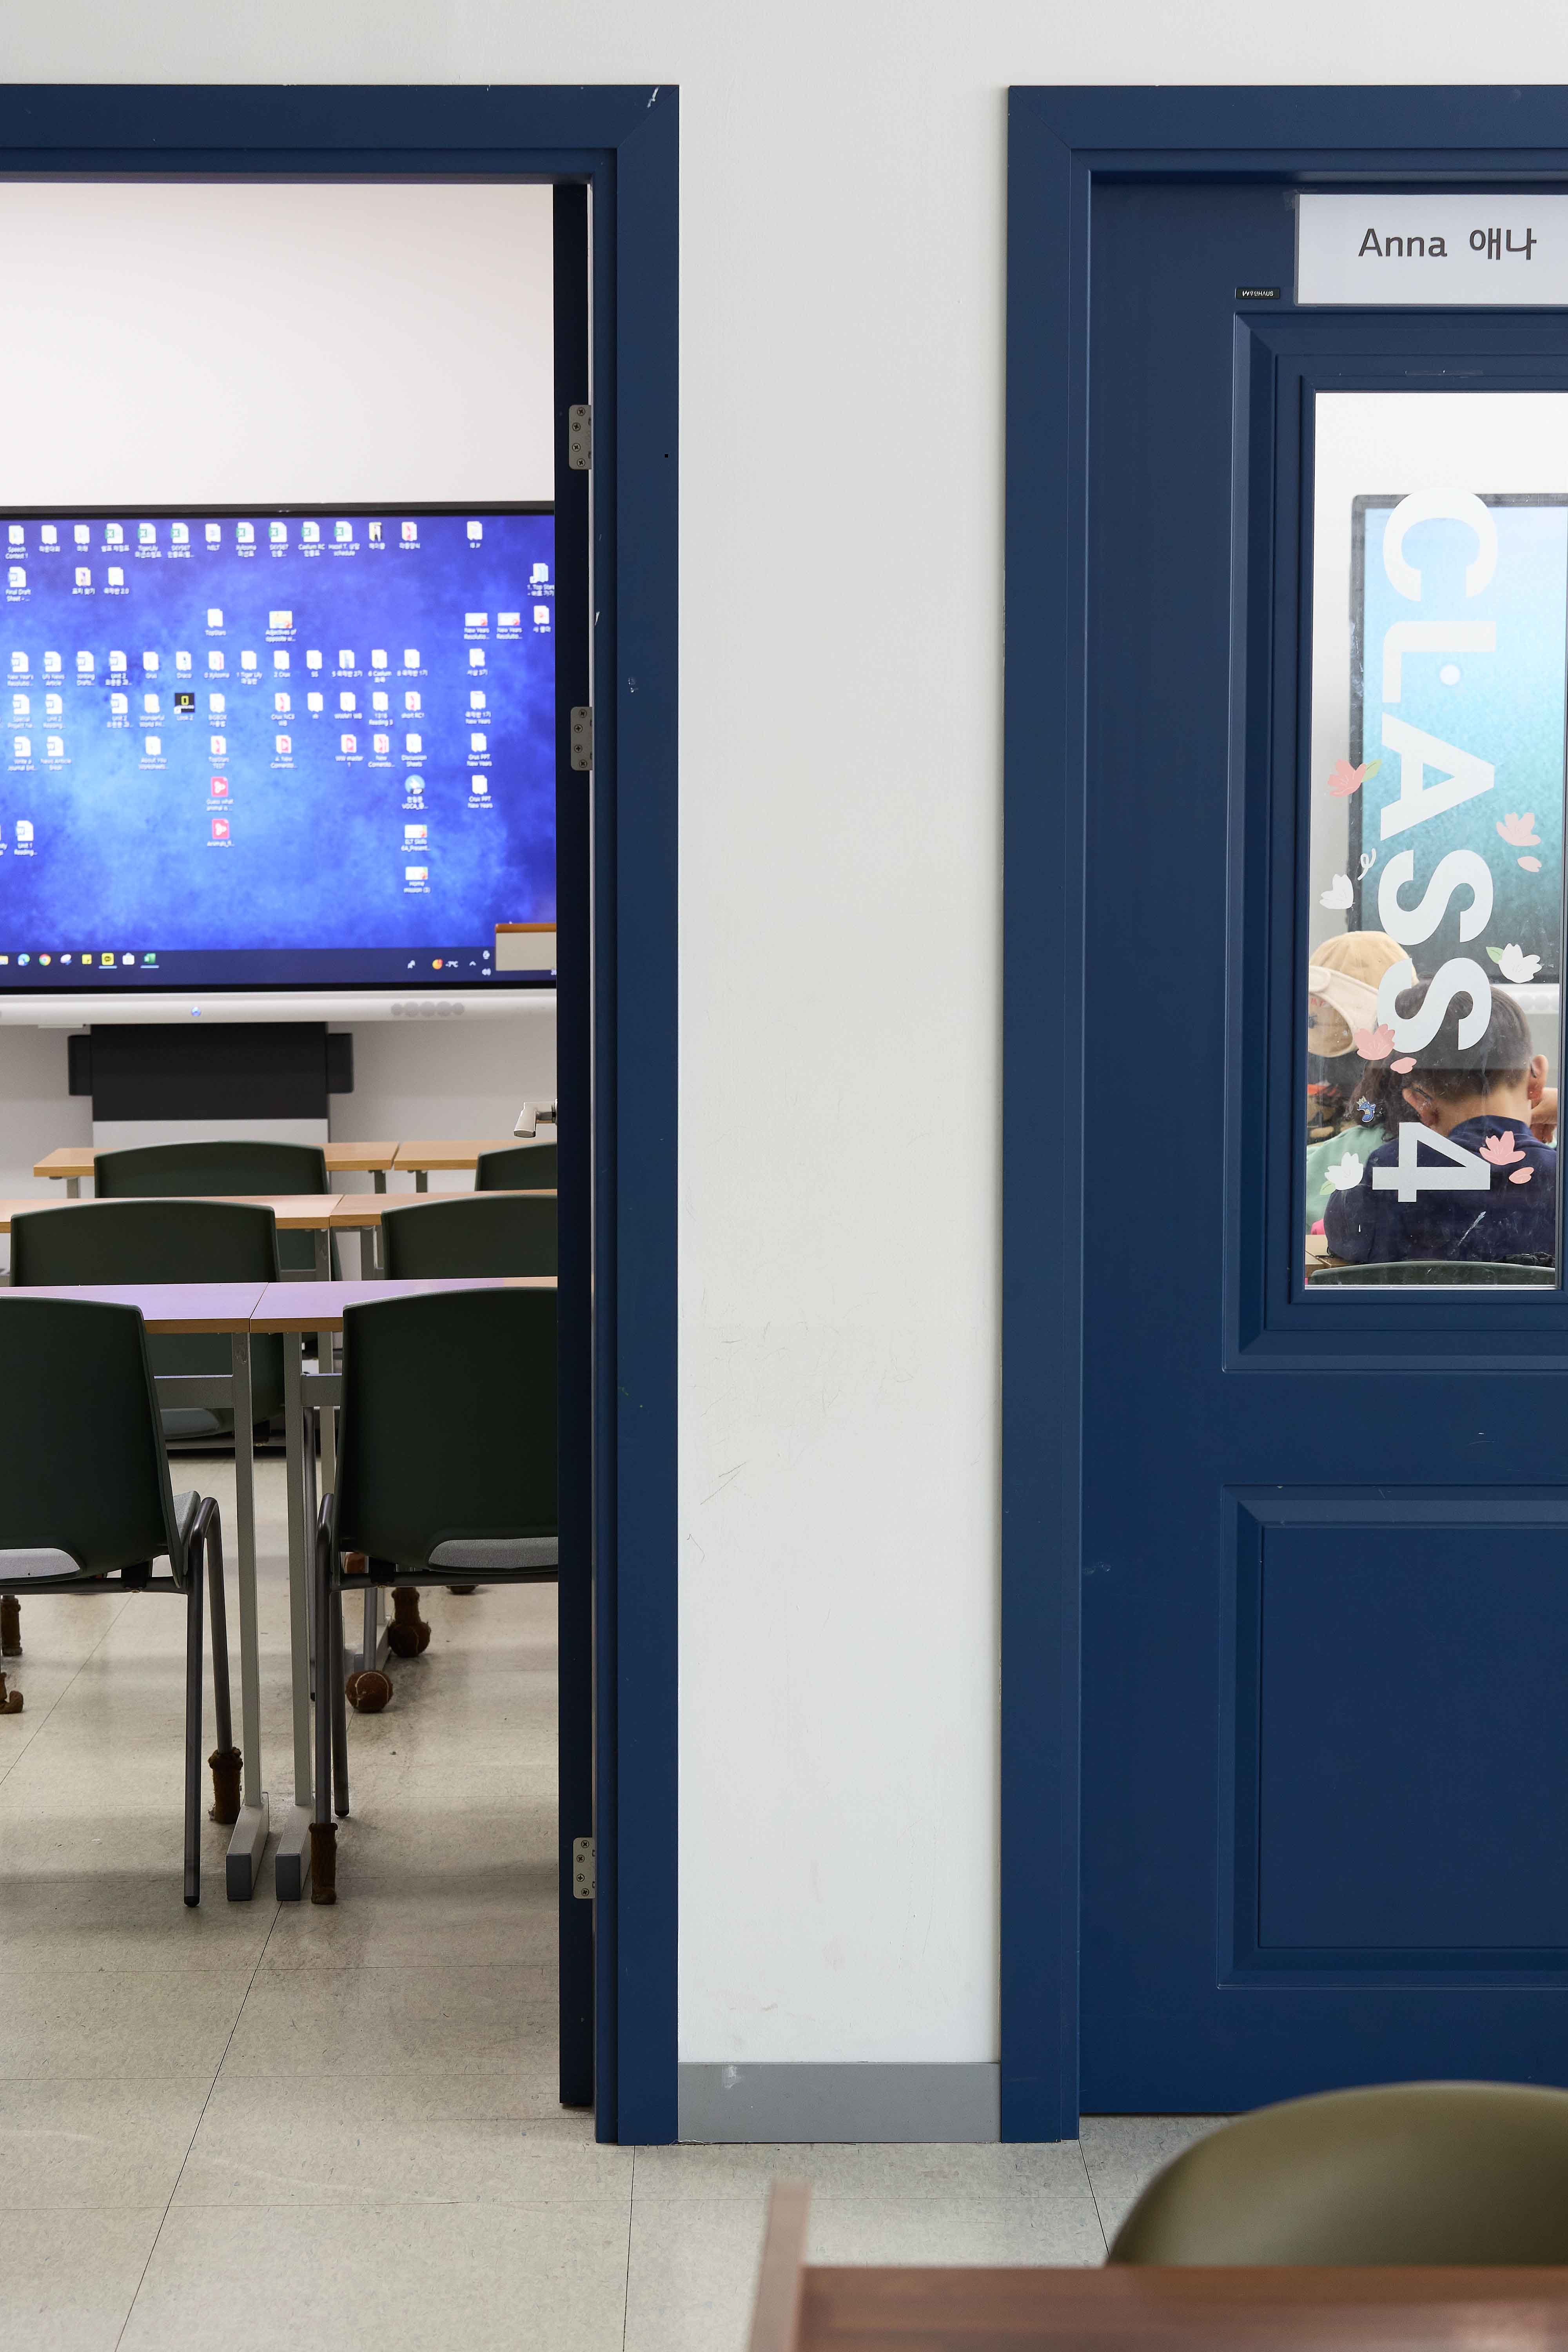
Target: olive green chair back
{"x": 470, "y": 1232}
{"x": 194, "y": 1169}
{"x": 1447, "y": 1271}
{"x": 162, "y": 1240}
{"x": 61, "y": 1358}
{"x": 524, "y": 1168}
{"x": 1413, "y": 2173}
{"x": 448, "y": 1424}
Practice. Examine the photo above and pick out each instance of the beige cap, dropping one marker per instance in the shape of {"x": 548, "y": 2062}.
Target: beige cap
{"x": 1343, "y": 981}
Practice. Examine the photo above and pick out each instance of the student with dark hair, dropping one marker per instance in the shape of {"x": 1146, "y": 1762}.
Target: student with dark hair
{"x": 1479, "y": 1096}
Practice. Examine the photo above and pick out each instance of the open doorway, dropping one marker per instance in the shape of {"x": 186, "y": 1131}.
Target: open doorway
{"x": 438, "y": 1021}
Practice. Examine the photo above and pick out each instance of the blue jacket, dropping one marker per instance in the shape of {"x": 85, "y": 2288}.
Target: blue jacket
{"x": 1507, "y": 1221}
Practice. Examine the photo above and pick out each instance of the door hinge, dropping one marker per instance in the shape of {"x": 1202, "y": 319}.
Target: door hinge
{"x": 584, "y": 1876}
{"x": 580, "y": 438}
{"x": 582, "y": 736}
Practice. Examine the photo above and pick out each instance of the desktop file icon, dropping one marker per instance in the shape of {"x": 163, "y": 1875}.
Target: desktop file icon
{"x": 220, "y": 828}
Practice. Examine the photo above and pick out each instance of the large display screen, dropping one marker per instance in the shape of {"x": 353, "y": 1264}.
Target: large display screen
{"x": 275, "y": 747}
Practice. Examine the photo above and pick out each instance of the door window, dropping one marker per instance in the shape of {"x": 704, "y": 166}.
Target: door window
{"x": 1434, "y": 966}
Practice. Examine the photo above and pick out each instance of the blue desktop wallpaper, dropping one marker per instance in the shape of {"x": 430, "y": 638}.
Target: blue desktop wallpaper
{"x": 273, "y": 734}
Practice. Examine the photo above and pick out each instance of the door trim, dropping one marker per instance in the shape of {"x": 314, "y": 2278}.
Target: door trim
{"x": 623, "y": 143}
{"x": 1060, "y": 143}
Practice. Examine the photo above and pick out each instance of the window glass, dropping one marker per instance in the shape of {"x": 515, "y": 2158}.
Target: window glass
{"x": 1434, "y": 905}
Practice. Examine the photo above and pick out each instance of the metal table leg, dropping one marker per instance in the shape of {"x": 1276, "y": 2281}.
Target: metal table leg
{"x": 293, "y": 1857}
{"x": 243, "y": 1862}
{"x": 73, "y": 1188}
{"x": 377, "y": 1265}
{"x": 422, "y": 1179}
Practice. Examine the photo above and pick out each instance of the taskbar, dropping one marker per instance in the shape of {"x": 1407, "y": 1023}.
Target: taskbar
{"x": 139, "y": 966}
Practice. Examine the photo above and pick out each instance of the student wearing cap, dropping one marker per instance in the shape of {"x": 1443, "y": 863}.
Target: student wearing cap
{"x": 1358, "y": 1108}
{"x": 1480, "y": 1097}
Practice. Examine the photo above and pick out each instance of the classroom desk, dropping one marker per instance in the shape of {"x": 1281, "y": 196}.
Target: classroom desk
{"x": 72, "y": 1161}
{"x": 418, "y": 1159}
{"x": 291, "y": 1310}
{"x": 802, "y": 2307}
{"x": 296, "y": 1213}
{"x": 213, "y": 1309}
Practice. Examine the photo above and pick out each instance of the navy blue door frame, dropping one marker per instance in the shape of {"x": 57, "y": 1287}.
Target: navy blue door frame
{"x": 1060, "y": 143}
{"x": 622, "y": 144}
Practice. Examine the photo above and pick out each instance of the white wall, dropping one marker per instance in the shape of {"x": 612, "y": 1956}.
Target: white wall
{"x": 841, "y": 576}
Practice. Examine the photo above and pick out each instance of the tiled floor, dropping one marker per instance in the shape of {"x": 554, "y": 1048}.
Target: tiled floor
{"x": 252, "y": 2126}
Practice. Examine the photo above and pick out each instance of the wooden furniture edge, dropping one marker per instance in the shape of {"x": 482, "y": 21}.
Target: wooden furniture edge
{"x": 781, "y": 2275}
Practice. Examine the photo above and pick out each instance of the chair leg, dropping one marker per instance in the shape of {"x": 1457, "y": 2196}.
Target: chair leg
{"x": 194, "y": 1730}
{"x": 224, "y": 1759}
{"x": 10, "y": 1701}
{"x": 408, "y": 1633}
{"x": 324, "y": 1829}
{"x": 10, "y": 1626}
{"x": 339, "y": 1709}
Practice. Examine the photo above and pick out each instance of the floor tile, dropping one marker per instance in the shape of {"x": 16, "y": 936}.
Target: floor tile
{"x": 1062, "y": 2229}
{"x": 463, "y": 2137}
{"x": 400, "y": 2278}
{"x": 407, "y": 2020}
{"x": 1029, "y": 2177}
{"x": 68, "y": 2277}
{"x": 99, "y": 2144}
{"x": 692, "y": 2277}
{"x": 1123, "y": 2153}
{"x": 60, "y": 2025}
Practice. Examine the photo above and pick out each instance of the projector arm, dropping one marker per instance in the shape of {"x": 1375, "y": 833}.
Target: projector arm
{"x": 533, "y": 1116}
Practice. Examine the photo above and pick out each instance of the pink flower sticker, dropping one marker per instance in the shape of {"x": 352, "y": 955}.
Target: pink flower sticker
{"x": 1502, "y": 1150}
{"x": 1374, "y": 1045}
{"x": 1344, "y": 779}
{"x": 1531, "y": 864}
{"x": 1521, "y": 1176}
{"x": 1405, "y": 1062}
{"x": 1520, "y": 832}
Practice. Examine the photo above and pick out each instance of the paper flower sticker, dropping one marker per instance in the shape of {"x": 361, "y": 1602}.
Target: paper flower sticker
{"x": 1520, "y": 832}
{"x": 1338, "y": 893}
{"x": 1521, "y": 1176}
{"x": 1531, "y": 864}
{"x": 1374, "y": 1045}
{"x": 1405, "y": 1062}
{"x": 1502, "y": 1150}
{"x": 1514, "y": 964}
{"x": 1344, "y": 1173}
{"x": 1344, "y": 779}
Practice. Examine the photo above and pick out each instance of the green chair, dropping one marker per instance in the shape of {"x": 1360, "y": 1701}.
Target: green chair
{"x": 70, "y": 1524}
{"x": 446, "y": 1472}
{"x": 1450, "y": 1272}
{"x": 190, "y": 1170}
{"x": 470, "y": 1232}
{"x": 521, "y": 1168}
{"x": 1412, "y": 2173}
{"x": 163, "y": 1240}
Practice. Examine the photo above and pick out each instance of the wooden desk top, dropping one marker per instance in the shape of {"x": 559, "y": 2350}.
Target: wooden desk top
{"x": 167, "y": 1307}
{"x": 1316, "y": 2310}
{"x": 76, "y": 1158}
{"x": 801, "y": 2307}
{"x": 319, "y": 1306}
{"x": 454, "y": 1154}
{"x": 297, "y": 1213}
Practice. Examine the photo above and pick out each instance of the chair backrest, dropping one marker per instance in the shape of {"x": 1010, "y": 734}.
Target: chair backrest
{"x": 471, "y": 1232}
{"x": 1445, "y": 1271}
{"x": 173, "y": 1240}
{"x": 194, "y": 1169}
{"x": 57, "y": 1358}
{"x": 522, "y": 1168}
{"x": 448, "y": 1422}
{"x": 1413, "y": 2173}
{"x": 162, "y": 1240}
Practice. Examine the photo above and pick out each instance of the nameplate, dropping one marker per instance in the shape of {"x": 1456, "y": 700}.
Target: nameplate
{"x": 1407, "y": 252}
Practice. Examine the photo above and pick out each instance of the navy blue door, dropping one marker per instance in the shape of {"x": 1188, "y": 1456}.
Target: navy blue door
{"x": 1325, "y": 1522}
